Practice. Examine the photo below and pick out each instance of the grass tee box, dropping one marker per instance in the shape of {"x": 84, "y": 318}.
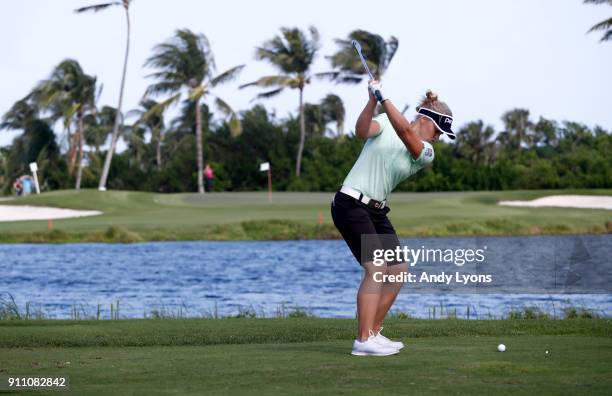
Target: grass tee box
{"x": 136, "y": 216}
{"x": 310, "y": 355}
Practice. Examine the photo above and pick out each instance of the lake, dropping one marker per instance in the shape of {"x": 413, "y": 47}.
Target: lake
{"x": 205, "y": 278}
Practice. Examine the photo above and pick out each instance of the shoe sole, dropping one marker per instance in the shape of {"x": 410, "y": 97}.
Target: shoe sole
{"x": 398, "y": 348}
{"x": 374, "y": 354}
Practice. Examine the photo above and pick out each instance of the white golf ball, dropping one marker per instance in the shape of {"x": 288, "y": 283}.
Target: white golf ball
{"x": 501, "y": 348}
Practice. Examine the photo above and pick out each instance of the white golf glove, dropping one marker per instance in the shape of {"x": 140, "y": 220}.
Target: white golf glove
{"x": 376, "y": 89}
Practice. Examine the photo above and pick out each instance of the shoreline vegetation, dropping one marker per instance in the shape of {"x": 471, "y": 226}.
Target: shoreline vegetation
{"x": 130, "y": 217}
{"x": 281, "y": 230}
{"x": 10, "y": 310}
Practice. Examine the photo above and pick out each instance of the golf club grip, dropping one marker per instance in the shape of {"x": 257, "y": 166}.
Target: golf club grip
{"x": 378, "y": 96}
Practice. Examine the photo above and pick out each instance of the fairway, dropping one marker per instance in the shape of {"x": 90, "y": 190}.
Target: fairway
{"x": 298, "y": 356}
{"x": 136, "y": 216}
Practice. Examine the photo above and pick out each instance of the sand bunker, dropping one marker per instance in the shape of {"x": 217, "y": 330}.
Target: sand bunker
{"x": 566, "y": 201}
{"x": 25, "y": 212}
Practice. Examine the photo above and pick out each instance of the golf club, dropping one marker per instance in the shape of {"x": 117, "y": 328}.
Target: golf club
{"x": 365, "y": 66}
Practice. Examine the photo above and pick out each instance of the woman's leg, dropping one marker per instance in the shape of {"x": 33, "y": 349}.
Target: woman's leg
{"x": 369, "y": 298}
{"x": 353, "y": 220}
{"x": 388, "y": 294}
{"x": 389, "y": 290}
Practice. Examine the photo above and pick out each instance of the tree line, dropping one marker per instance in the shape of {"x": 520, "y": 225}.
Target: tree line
{"x": 526, "y": 154}
{"x": 309, "y": 152}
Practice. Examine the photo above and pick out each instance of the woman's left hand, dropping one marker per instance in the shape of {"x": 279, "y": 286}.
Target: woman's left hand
{"x": 375, "y": 88}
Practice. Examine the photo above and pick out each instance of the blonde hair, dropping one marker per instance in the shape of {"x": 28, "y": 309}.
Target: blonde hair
{"x": 430, "y": 101}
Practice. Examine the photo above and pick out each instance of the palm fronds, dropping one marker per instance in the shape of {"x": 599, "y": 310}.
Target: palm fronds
{"x": 291, "y": 52}
{"x": 227, "y": 76}
{"x": 19, "y": 116}
{"x": 605, "y": 25}
{"x": 271, "y": 81}
{"x": 596, "y": 2}
{"x": 234, "y": 122}
{"x": 376, "y": 50}
{"x": 97, "y": 7}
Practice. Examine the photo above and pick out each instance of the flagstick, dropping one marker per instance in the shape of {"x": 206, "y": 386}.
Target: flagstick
{"x": 270, "y": 184}
{"x": 34, "y": 168}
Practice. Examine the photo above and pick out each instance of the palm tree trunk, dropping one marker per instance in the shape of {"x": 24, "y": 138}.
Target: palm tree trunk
{"x": 72, "y": 152}
{"x": 199, "y": 153}
{"x": 158, "y": 150}
{"x": 298, "y": 162}
{"x": 115, "y": 136}
{"x": 80, "y": 142}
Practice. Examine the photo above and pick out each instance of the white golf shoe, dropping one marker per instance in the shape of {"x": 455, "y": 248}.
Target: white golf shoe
{"x": 370, "y": 347}
{"x": 382, "y": 340}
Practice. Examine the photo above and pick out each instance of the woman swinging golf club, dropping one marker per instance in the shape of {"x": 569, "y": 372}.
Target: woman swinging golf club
{"x": 395, "y": 150}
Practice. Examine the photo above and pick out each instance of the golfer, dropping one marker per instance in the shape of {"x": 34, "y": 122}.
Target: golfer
{"x": 395, "y": 149}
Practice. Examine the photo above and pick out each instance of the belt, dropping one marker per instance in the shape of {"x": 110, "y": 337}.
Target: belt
{"x": 372, "y": 203}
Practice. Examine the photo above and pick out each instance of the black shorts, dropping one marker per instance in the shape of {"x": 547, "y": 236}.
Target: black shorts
{"x": 355, "y": 219}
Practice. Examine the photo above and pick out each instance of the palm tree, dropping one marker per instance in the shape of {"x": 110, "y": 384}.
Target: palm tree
{"x": 136, "y": 147}
{"x": 318, "y": 116}
{"x": 71, "y": 94}
{"x": 35, "y": 143}
{"x": 20, "y": 115}
{"x": 375, "y": 49}
{"x": 183, "y": 122}
{"x": 292, "y": 53}
{"x": 116, "y": 126}
{"x": 333, "y": 111}
{"x": 518, "y": 129}
{"x": 151, "y": 117}
{"x": 314, "y": 119}
{"x": 546, "y": 132}
{"x": 186, "y": 63}
{"x": 181, "y": 127}
{"x": 65, "y": 111}
{"x": 92, "y": 132}
{"x": 605, "y": 25}
{"x": 474, "y": 142}
{"x": 98, "y": 126}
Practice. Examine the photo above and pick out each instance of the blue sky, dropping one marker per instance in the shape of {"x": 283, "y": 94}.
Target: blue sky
{"x": 482, "y": 57}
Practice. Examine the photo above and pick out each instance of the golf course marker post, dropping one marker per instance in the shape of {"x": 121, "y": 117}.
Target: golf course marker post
{"x": 263, "y": 168}
{"x": 34, "y": 168}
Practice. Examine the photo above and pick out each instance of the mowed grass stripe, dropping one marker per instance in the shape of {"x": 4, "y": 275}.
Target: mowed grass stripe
{"x": 147, "y": 332}
{"x": 442, "y": 365}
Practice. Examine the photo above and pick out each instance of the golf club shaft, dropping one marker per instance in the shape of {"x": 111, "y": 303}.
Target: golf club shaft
{"x": 365, "y": 65}
{"x": 357, "y": 46}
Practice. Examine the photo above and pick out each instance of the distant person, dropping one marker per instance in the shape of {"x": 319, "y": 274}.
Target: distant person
{"x": 18, "y": 187}
{"x": 27, "y": 184}
{"x": 395, "y": 149}
{"x": 208, "y": 178}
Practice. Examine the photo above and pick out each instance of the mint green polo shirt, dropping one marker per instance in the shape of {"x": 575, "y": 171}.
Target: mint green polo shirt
{"x": 384, "y": 162}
